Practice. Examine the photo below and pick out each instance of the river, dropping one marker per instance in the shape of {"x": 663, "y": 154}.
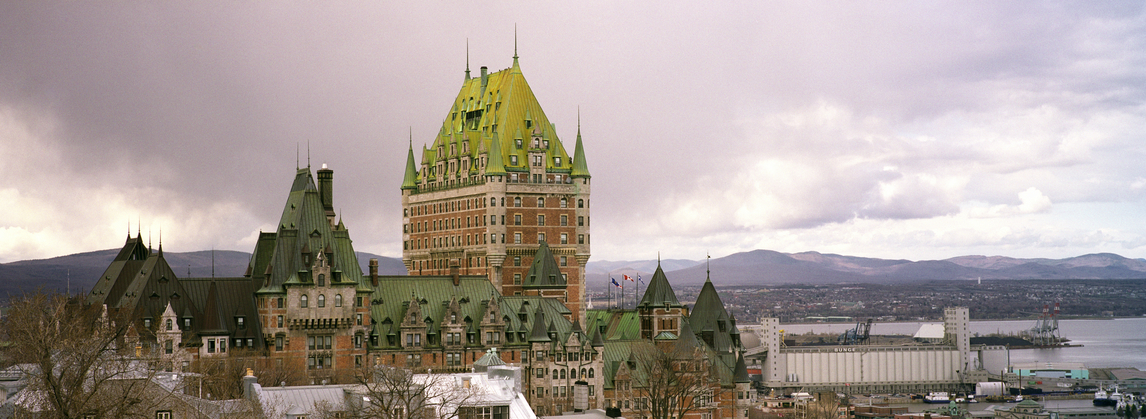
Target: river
{"x": 1105, "y": 343}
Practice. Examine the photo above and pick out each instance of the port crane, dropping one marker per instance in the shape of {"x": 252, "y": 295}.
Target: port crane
{"x": 1045, "y": 332}
{"x": 857, "y": 335}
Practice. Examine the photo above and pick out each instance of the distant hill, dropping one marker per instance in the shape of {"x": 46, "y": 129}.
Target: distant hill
{"x": 766, "y": 267}
{"x": 83, "y": 269}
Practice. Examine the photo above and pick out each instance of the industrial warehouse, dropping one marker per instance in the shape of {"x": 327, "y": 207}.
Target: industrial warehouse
{"x": 949, "y": 363}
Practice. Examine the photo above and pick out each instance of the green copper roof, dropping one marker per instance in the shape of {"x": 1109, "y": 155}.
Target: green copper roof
{"x": 580, "y": 168}
{"x": 740, "y": 372}
{"x": 303, "y": 232}
{"x": 544, "y": 273}
{"x": 540, "y": 333}
{"x": 410, "y": 181}
{"x": 495, "y": 167}
{"x": 496, "y": 116}
{"x": 659, "y": 293}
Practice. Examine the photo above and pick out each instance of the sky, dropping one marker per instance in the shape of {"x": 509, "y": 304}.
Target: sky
{"x": 906, "y": 130}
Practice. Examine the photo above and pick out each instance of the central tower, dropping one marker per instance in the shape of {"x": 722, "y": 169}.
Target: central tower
{"x": 496, "y": 184}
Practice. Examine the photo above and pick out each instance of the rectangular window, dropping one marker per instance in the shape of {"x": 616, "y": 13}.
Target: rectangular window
{"x": 280, "y": 321}
{"x": 564, "y": 238}
{"x": 163, "y": 414}
{"x": 541, "y": 220}
{"x": 564, "y": 220}
{"x": 210, "y": 346}
{"x": 580, "y": 239}
{"x": 540, "y": 237}
{"x": 516, "y": 279}
{"x": 358, "y": 319}
{"x": 516, "y": 219}
{"x": 278, "y": 343}
{"x": 580, "y": 221}
{"x": 564, "y": 259}
{"x": 516, "y": 238}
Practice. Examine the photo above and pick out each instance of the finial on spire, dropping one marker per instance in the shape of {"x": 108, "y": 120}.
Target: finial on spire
{"x": 467, "y": 58}
{"x": 308, "y": 154}
{"x": 296, "y": 156}
{"x": 515, "y": 41}
{"x": 707, "y": 266}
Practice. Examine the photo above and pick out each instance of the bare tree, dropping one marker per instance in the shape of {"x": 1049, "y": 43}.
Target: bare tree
{"x": 74, "y": 359}
{"x": 393, "y": 393}
{"x": 673, "y": 380}
{"x": 826, "y": 405}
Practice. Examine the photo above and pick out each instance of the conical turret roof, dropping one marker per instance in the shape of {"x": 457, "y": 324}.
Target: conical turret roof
{"x": 410, "y": 181}
{"x": 580, "y": 168}
{"x": 659, "y": 293}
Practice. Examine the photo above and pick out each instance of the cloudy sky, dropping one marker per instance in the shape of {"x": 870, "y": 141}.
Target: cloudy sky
{"x": 916, "y": 130}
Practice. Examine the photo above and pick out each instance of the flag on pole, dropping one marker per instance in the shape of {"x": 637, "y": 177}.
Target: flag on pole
{"x": 615, "y": 284}
{"x": 639, "y": 279}
{"x": 628, "y": 278}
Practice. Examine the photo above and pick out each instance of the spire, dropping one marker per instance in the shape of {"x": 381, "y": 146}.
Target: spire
{"x": 580, "y": 168}
{"x": 707, "y": 268}
{"x": 467, "y": 58}
{"x": 410, "y": 181}
{"x": 516, "y": 68}
{"x": 495, "y": 166}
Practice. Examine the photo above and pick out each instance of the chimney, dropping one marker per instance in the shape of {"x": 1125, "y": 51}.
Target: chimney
{"x": 249, "y": 381}
{"x": 484, "y": 78}
{"x": 326, "y": 191}
{"x": 374, "y": 272}
{"x": 454, "y": 271}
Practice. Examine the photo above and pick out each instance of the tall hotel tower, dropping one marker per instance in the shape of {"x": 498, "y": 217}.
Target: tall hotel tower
{"x": 497, "y": 190}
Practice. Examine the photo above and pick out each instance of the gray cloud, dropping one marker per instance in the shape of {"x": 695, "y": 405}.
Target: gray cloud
{"x": 855, "y": 128}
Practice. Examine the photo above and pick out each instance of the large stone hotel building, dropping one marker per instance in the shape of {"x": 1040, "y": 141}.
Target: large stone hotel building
{"x": 495, "y": 242}
{"x": 496, "y": 183}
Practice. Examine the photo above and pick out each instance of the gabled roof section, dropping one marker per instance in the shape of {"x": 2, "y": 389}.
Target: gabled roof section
{"x": 115, "y": 279}
{"x": 659, "y": 293}
{"x": 214, "y": 322}
{"x": 544, "y": 273}
{"x": 303, "y": 231}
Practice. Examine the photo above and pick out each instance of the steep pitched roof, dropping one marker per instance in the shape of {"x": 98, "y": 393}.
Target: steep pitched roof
{"x": 410, "y": 180}
{"x": 544, "y": 273}
{"x": 659, "y": 293}
{"x": 580, "y": 168}
{"x": 540, "y": 333}
{"x": 490, "y": 114}
{"x": 303, "y": 231}
{"x": 740, "y": 372}
{"x": 123, "y": 268}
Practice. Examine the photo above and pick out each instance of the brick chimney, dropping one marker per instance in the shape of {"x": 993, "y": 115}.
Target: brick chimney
{"x": 374, "y": 272}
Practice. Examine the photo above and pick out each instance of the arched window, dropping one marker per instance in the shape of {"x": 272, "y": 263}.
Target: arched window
{"x": 540, "y": 202}
{"x": 517, "y": 201}
{"x": 338, "y": 300}
{"x": 169, "y": 325}
{"x": 321, "y": 300}
{"x": 302, "y": 301}
{"x": 564, "y": 202}
{"x": 321, "y": 280}
{"x": 572, "y": 373}
{"x": 582, "y": 373}
{"x": 580, "y": 203}
{"x": 562, "y": 374}
{"x": 590, "y": 373}
{"x": 554, "y": 374}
